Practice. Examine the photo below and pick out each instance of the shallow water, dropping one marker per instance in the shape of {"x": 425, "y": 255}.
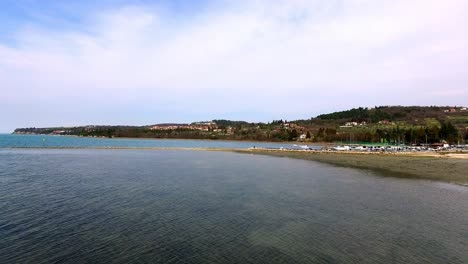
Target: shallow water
{"x": 143, "y": 206}
{"x": 46, "y": 141}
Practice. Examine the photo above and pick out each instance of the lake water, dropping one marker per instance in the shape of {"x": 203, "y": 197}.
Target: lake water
{"x": 180, "y": 206}
{"x": 7, "y": 140}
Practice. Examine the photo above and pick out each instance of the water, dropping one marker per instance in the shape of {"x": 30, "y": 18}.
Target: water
{"x": 179, "y": 206}
{"x": 7, "y": 140}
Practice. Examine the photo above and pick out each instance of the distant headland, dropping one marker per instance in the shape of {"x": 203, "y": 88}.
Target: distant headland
{"x": 380, "y": 124}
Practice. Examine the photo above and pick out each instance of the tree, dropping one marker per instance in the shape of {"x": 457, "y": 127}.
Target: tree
{"x": 448, "y": 132}
{"x": 293, "y": 134}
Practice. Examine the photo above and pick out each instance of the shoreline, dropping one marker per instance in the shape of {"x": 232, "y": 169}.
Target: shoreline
{"x": 442, "y": 154}
{"x": 449, "y": 167}
{"x": 323, "y": 144}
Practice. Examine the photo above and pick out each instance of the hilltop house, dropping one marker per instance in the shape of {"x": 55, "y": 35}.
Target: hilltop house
{"x": 386, "y": 122}
{"x": 353, "y": 124}
{"x": 302, "y": 137}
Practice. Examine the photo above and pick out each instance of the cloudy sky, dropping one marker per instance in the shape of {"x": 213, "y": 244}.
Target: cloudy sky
{"x": 145, "y": 62}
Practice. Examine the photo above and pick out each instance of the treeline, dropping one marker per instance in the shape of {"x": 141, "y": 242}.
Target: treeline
{"x": 357, "y": 114}
{"x": 391, "y": 113}
{"x": 414, "y": 125}
{"x": 396, "y": 135}
{"x": 223, "y": 123}
{"x": 414, "y": 135}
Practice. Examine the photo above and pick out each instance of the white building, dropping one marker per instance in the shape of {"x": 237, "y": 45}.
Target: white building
{"x": 302, "y": 137}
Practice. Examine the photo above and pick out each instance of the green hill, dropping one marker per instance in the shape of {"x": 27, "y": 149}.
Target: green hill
{"x": 383, "y": 124}
{"x": 411, "y": 114}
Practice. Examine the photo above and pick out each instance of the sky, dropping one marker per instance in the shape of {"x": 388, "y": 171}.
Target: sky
{"x": 145, "y": 62}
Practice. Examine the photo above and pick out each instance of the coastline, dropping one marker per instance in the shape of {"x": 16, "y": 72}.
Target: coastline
{"x": 443, "y": 167}
{"x": 449, "y": 167}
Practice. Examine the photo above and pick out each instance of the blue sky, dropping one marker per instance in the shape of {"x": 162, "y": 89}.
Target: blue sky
{"x": 67, "y": 14}
{"x": 145, "y": 62}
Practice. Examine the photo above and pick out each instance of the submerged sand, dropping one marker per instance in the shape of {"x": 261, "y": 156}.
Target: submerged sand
{"x": 438, "y": 166}
{"x": 446, "y": 167}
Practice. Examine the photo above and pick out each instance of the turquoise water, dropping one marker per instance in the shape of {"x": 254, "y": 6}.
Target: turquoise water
{"x": 7, "y": 140}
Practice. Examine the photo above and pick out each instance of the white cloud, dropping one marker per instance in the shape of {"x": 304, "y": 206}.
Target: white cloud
{"x": 249, "y": 55}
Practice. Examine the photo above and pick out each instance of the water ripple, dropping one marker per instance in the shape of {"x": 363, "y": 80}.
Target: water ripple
{"x": 126, "y": 206}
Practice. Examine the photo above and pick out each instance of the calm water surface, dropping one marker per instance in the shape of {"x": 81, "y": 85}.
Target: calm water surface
{"x": 167, "y": 206}
{"x": 29, "y": 141}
